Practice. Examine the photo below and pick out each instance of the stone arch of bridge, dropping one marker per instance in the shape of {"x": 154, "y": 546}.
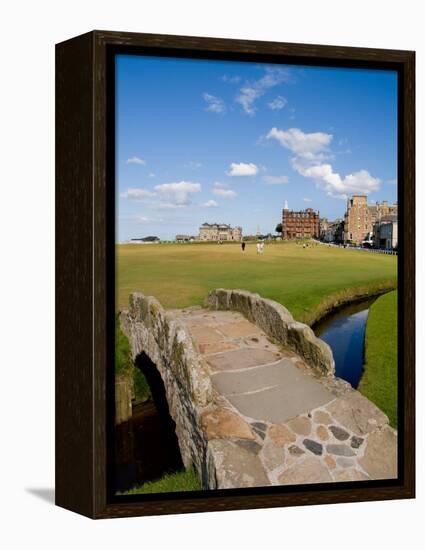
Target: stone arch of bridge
{"x": 158, "y": 433}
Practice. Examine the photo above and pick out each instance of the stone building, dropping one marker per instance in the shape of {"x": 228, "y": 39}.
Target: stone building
{"x": 185, "y": 238}
{"x": 300, "y": 225}
{"x": 334, "y": 232}
{"x": 219, "y": 232}
{"x": 385, "y": 233}
{"x": 323, "y": 227}
{"x": 360, "y": 217}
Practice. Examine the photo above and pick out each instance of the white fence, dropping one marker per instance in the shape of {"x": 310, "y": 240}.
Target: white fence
{"x": 371, "y": 250}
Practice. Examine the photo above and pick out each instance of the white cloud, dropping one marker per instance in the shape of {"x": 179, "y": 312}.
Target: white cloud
{"x": 151, "y": 175}
{"x": 278, "y": 103}
{"x": 313, "y": 146}
{"x": 337, "y": 186}
{"x": 306, "y": 199}
{"x": 242, "y": 169}
{"x": 165, "y": 195}
{"x": 275, "y": 180}
{"x": 311, "y": 150}
{"x": 178, "y": 193}
{"x": 221, "y": 191}
{"x": 231, "y": 79}
{"x": 137, "y": 194}
{"x": 392, "y": 182}
{"x": 135, "y": 160}
{"x": 166, "y": 205}
{"x": 214, "y": 104}
{"x": 210, "y": 204}
{"x": 225, "y": 193}
{"x": 249, "y": 93}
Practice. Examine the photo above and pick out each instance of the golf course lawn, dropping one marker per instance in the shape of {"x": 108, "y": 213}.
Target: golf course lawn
{"x": 379, "y": 381}
{"x": 302, "y": 279}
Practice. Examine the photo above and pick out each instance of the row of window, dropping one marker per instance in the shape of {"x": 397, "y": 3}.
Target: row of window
{"x": 301, "y": 215}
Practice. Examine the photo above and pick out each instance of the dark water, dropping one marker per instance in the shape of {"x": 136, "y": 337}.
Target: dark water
{"x": 344, "y": 331}
{"x": 146, "y": 447}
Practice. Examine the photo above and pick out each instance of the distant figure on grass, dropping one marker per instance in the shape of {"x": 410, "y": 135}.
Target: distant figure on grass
{"x": 260, "y": 248}
{"x": 243, "y": 246}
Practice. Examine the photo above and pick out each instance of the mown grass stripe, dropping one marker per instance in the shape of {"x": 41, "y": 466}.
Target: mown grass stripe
{"x": 379, "y": 381}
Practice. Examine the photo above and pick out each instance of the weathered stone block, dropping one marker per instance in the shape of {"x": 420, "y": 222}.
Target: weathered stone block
{"x": 380, "y": 456}
{"x": 280, "y": 435}
{"x": 301, "y": 425}
{"x": 223, "y": 423}
{"x": 356, "y": 413}
{"x": 322, "y": 433}
{"x": 322, "y": 417}
{"x": 310, "y": 470}
{"x": 272, "y": 455}
{"x": 313, "y": 446}
{"x": 330, "y": 462}
{"x": 339, "y": 450}
{"x": 351, "y": 474}
{"x": 235, "y": 466}
{"x": 294, "y": 450}
{"x": 339, "y": 433}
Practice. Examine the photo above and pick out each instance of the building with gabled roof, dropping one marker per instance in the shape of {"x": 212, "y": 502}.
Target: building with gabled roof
{"x": 219, "y": 232}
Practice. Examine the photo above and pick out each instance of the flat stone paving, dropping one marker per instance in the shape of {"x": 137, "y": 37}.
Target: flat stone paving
{"x": 278, "y": 419}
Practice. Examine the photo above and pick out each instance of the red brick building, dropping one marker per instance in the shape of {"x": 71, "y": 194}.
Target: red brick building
{"x": 300, "y": 225}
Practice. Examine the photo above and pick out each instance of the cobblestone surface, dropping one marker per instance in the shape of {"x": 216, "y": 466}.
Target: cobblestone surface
{"x": 335, "y": 435}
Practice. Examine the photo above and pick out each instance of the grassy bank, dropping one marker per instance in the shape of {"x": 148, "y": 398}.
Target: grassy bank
{"x": 169, "y": 483}
{"x": 306, "y": 280}
{"x": 379, "y": 381}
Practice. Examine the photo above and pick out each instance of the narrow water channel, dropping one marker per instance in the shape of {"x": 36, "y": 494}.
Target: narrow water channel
{"x": 344, "y": 331}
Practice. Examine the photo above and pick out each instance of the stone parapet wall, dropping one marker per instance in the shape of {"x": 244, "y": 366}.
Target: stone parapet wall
{"x": 276, "y": 321}
{"x": 159, "y": 334}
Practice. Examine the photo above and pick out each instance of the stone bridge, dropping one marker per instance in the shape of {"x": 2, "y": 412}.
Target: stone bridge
{"x": 254, "y": 396}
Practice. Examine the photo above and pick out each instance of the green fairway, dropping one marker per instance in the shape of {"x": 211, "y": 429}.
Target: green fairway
{"x": 302, "y": 279}
{"x": 379, "y": 381}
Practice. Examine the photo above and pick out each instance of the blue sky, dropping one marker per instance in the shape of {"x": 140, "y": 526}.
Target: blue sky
{"x": 229, "y": 142}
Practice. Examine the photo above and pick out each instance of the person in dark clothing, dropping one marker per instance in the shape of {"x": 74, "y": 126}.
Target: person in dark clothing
{"x": 243, "y": 247}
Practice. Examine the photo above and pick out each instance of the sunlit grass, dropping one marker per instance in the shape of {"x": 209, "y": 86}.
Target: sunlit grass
{"x": 379, "y": 381}
{"x": 169, "y": 483}
{"x": 302, "y": 279}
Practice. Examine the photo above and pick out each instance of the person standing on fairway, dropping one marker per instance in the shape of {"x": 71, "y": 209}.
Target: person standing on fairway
{"x": 243, "y": 246}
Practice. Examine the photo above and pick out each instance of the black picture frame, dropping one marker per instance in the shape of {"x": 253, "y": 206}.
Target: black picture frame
{"x": 85, "y": 286}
